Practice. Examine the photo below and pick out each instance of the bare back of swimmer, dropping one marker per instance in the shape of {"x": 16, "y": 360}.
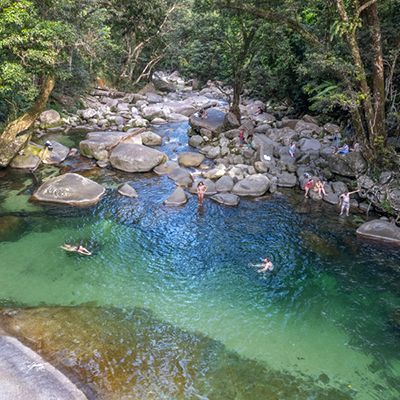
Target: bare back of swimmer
{"x": 76, "y": 249}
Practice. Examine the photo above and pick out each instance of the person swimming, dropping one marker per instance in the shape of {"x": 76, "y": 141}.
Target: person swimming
{"x": 266, "y": 265}
{"x": 76, "y": 249}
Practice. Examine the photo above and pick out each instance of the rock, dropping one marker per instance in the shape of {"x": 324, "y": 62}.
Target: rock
{"x": 385, "y": 177}
{"x": 350, "y": 165}
{"x": 181, "y": 177}
{"x": 127, "y": 190}
{"x": 98, "y": 144}
{"x": 227, "y": 199}
{"x": 177, "y": 198}
{"x": 50, "y": 118}
{"x": 166, "y": 168}
{"x": 224, "y": 184}
{"x": 310, "y": 119}
{"x": 231, "y": 121}
{"x": 393, "y": 196}
{"x": 151, "y": 139}
{"x": 57, "y": 155}
{"x": 153, "y": 98}
{"x": 331, "y": 128}
{"x": 285, "y": 179}
{"x": 88, "y": 114}
{"x": 174, "y": 117}
{"x": 331, "y": 198}
{"x": 154, "y": 111}
{"x": 71, "y": 189}
{"x": 215, "y": 173}
{"x": 161, "y": 82}
{"x": 196, "y": 141}
{"x": 309, "y": 145}
{"x": 339, "y": 187}
{"x": 24, "y": 375}
{"x": 213, "y": 152}
{"x": 290, "y": 123}
{"x": 28, "y": 158}
{"x": 189, "y": 159}
{"x": 214, "y": 121}
{"x": 307, "y": 128}
{"x": 135, "y": 158}
{"x": 253, "y": 185}
{"x": 365, "y": 182}
{"x": 9, "y": 226}
{"x": 158, "y": 121}
{"x": 380, "y": 230}
{"x": 232, "y": 134}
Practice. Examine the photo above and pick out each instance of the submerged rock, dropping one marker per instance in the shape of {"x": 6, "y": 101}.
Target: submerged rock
{"x": 71, "y": 189}
{"x": 135, "y": 158}
{"x": 132, "y": 355}
{"x": 380, "y": 230}
{"x": 227, "y": 199}
{"x": 127, "y": 190}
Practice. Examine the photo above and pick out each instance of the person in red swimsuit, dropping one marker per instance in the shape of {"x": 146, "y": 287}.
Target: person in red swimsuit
{"x": 309, "y": 185}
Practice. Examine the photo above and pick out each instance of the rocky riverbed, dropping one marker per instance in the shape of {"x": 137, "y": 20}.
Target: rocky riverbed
{"x": 120, "y": 135}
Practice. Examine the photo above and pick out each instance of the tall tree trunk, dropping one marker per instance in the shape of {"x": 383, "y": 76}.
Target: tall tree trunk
{"x": 379, "y": 134}
{"x": 9, "y": 143}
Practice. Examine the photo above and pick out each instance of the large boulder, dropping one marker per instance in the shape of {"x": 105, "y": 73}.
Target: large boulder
{"x": 71, "y": 189}
{"x": 28, "y": 158}
{"x": 350, "y": 165}
{"x": 253, "y": 186}
{"x": 227, "y": 199}
{"x": 224, "y": 184}
{"x": 181, "y": 176}
{"x": 154, "y": 111}
{"x": 162, "y": 83}
{"x": 285, "y": 179}
{"x": 214, "y": 121}
{"x": 50, "y": 118}
{"x": 57, "y": 155}
{"x": 310, "y": 145}
{"x": 166, "y": 168}
{"x": 130, "y": 157}
{"x": 98, "y": 144}
{"x": 231, "y": 121}
{"x": 380, "y": 230}
{"x": 189, "y": 159}
{"x": 177, "y": 198}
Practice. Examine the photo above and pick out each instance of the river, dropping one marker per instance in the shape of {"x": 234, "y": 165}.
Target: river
{"x": 170, "y": 305}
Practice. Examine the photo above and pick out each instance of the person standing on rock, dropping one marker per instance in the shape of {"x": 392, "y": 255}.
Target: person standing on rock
{"x": 201, "y": 189}
{"x": 345, "y": 202}
{"x": 292, "y": 149}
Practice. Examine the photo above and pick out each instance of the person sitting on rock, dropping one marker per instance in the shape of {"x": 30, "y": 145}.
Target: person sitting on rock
{"x": 307, "y": 187}
{"x": 203, "y": 114}
{"x": 319, "y": 187}
{"x": 343, "y": 150}
{"x": 259, "y": 111}
{"x": 241, "y": 137}
{"x": 249, "y": 140}
{"x": 345, "y": 202}
{"x": 266, "y": 265}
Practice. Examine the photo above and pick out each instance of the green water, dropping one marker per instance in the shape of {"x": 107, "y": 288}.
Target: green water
{"x": 326, "y": 309}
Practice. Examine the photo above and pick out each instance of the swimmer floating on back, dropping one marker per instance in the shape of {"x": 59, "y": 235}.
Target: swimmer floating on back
{"x": 266, "y": 265}
{"x": 76, "y": 249}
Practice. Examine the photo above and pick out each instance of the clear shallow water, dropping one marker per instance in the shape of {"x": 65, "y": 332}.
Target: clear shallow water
{"x": 326, "y": 310}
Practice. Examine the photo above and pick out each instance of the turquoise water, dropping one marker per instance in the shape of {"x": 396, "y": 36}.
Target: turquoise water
{"x": 327, "y": 309}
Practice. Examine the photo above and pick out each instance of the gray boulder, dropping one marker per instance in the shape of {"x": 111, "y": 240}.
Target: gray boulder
{"x": 214, "y": 121}
{"x": 285, "y": 179}
{"x": 253, "y": 186}
{"x": 151, "y": 139}
{"x": 50, "y": 118}
{"x": 196, "y": 141}
{"x": 380, "y": 230}
{"x": 224, "y": 184}
{"x": 166, "y": 168}
{"x": 350, "y": 165}
{"x": 227, "y": 199}
{"x": 28, "y": 158}
{"x": 309, "y": 145}
{"x": 162, "y": 83}
{"x": 71, "y": 189}
{"x": 135, "y": 158}
{"x": 127, "y": 190}
{"x": 189, "y": 159}
{"x": 57, "y": 155}
{"x": 177, "y": 198}
{"x": 231, "y": 121}
{"x": 181, "y": 177}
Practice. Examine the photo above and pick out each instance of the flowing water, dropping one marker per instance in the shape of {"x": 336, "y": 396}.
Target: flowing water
{"x": 171, "y": 306}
